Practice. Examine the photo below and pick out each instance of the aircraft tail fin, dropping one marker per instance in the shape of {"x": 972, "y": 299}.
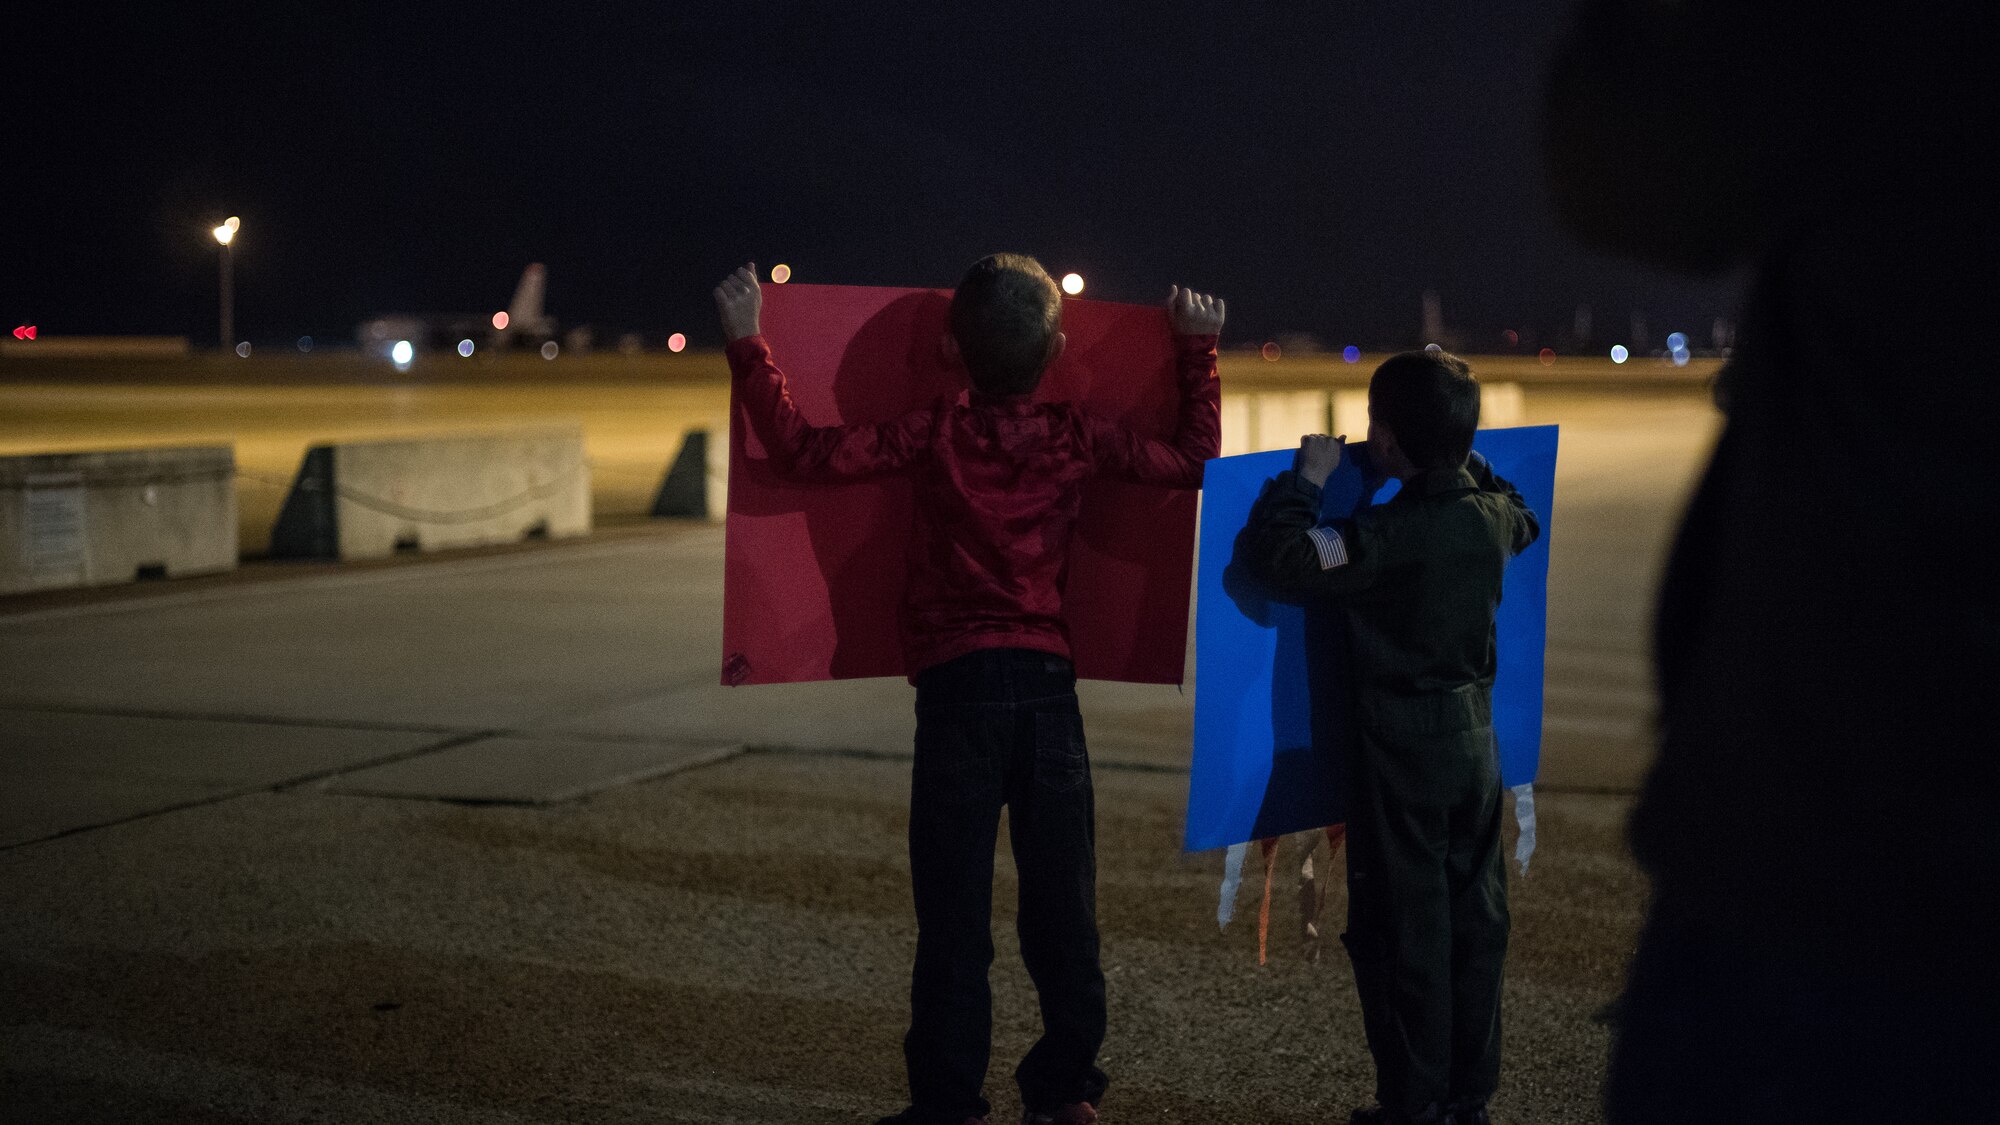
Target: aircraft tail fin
{"x": 524, "y": 313}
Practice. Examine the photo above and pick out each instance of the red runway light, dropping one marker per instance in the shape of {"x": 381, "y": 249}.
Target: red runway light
{"x": 1271, "y": 351}
{"x": 25, "y": 332}
{"x": 1548, "y": 357}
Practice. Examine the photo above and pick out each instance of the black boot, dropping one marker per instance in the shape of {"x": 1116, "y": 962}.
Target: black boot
{"x": 1468, "y": 1113}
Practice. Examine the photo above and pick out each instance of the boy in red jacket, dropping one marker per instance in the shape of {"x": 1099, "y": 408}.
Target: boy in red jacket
{"x": 998, "y": 479}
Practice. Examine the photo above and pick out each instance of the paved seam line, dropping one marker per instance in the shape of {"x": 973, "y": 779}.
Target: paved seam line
{"x": 717, "y": 756}
{"x": 233, "y": 794}
{"x": 866, "y": 755}
{"x": 313, "y": 582}
{"x": 229, "y": 717}
{"x": 292, "y": 783}
{"x": 535, "y": 728}
{"x": 1114, "y": 766}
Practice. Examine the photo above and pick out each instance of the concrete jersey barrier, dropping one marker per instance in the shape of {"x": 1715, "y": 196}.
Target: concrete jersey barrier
{"x": 370, "y": 499}
{"x": 107, "y": 517}
{"x": 1252, "y": 423}
{"x": 697, "y": 483}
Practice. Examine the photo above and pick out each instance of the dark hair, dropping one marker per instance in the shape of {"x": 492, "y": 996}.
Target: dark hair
{"x": 1430, "y": 401}
{"x": 1004, "y": 316}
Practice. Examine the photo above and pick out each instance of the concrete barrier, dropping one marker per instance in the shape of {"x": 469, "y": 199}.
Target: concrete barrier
{"x": 697, "y": 483}
{"x": 371, "y": 499}
{"x": 1253, "y": 423}
{"x": 1282, "y": 419}
{"x": 1236, "y": 427}
{"x": 1350, "y": 413}
{"x": 104, "y": 518}
{"x": 1271, "y": 420}
{"x": 1501, "y": 404}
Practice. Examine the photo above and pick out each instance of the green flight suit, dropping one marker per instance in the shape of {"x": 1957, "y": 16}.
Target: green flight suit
{"x": 1418, "y": 579}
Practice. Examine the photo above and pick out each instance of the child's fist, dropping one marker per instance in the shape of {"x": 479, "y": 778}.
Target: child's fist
{"x": 1194, "y": 314}
{"x": 1318, "y": 457}
{"x": 739, "y": 299}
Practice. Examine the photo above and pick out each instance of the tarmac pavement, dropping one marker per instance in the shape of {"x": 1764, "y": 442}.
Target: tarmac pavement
{"x": 480, "y": 837}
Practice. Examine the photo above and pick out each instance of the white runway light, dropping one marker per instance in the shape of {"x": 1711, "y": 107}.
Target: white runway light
{"x": 549, "y": 350}
{"x": 1072, "y": 283}
{"x": 402, "y": 353}
{"x": 465, "y": 348}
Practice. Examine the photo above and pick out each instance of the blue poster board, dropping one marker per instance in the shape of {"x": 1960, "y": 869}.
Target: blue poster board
{"x": 1258, "y": 771}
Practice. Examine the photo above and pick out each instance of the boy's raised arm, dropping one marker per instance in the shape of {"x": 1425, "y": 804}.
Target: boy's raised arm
{"x": 1284, "y": 546}
{"x": 1176, "y": 462}
{"x": 1527, "y": 528}
{"x": 797, "y": 447}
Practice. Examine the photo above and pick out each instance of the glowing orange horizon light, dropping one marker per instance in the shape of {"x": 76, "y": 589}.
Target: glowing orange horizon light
{"x": 677, "y": 342}
{"x": 780, "y": 273}
{"x": 500, "y": 320}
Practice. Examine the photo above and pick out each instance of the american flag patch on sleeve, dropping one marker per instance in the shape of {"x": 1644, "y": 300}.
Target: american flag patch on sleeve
{"x": 1331, "y": 547}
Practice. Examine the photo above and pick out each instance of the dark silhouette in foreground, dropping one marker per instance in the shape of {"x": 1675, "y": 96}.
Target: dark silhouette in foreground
{"x": 1820, "y": 827}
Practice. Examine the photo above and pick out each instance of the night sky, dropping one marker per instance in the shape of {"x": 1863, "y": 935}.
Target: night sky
{"x": 1318, "y": 164}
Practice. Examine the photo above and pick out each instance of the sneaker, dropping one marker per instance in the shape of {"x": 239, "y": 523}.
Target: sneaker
{"x": 1075, "y": 1113}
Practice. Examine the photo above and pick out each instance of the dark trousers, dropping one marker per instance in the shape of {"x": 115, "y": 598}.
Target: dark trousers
{"x": 995, "y": 727}
{"x": 1427, "y": 915}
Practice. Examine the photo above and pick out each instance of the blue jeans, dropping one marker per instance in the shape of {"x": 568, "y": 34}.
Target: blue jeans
{"x": 994, "y": 727}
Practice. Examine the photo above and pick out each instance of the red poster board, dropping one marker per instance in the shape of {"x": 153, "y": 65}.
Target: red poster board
{"x": 813, "y": 576}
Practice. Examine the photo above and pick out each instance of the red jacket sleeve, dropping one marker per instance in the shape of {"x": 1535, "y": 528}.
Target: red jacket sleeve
{"x": 1175, "y": 462}
{"x": 798, "y": 448}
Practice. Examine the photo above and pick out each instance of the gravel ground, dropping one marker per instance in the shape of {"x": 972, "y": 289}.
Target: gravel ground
{"x": 729, "y": 944}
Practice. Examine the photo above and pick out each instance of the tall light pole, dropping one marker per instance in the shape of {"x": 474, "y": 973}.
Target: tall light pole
{"x": 225, "y": 234}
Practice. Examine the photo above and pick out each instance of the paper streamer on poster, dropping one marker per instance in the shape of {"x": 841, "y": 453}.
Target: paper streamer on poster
{"x": 1524, "y": 817}
{"x": 1232, "y": 881}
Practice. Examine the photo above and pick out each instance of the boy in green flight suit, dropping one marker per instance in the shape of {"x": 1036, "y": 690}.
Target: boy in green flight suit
{"x": 1418, "y": 581}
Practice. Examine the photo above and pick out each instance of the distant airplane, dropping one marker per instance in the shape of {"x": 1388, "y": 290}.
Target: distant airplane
{"x": 522, "y": 324}
{"x": 1434, "y": 329}
{"x": 525, "y": 322}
